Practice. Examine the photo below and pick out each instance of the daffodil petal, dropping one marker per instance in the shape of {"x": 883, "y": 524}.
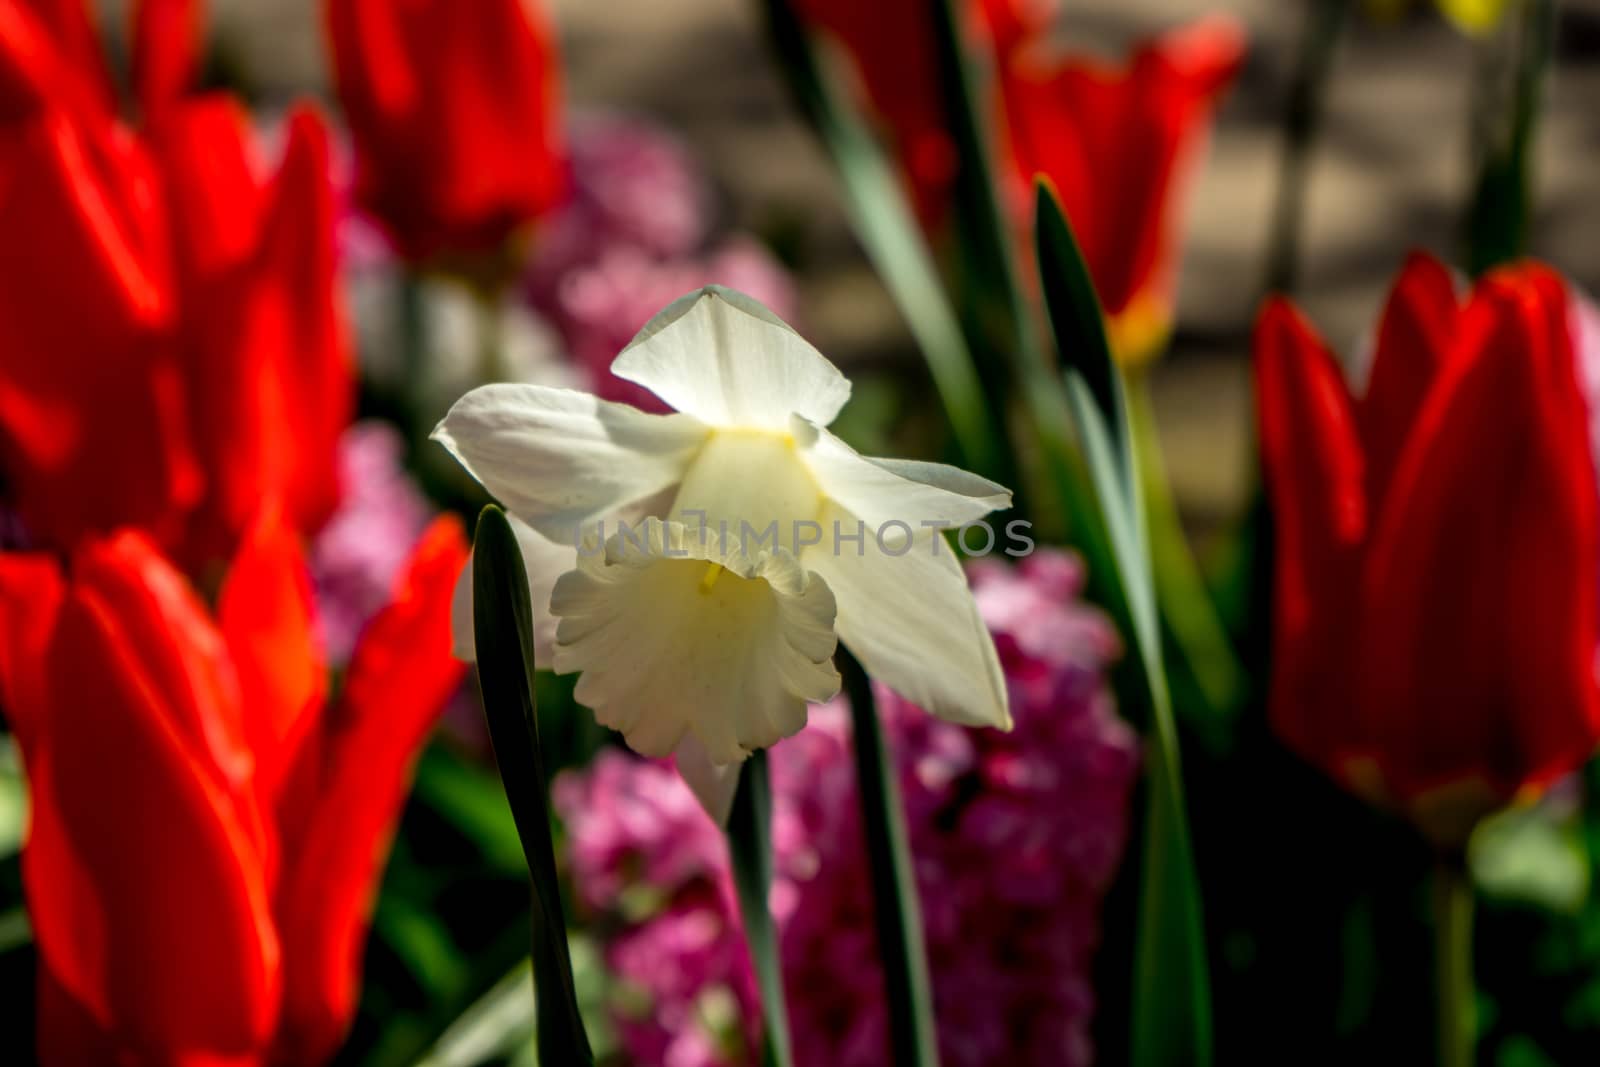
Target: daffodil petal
{"x": 730, "y": 362}
{"x": 912, "y": 622}
{"x": 879, "y": 491}
{"x": 713, "y": 784}
{"x": 545, "y": 561}
{"x": 558, "y": 458}
{"x": 675, "y": 637}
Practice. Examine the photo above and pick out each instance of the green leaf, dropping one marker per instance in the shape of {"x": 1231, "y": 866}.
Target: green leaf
{"x": 908, "y": 992}
{"x": 893, "y": 241}
{"x": 995, "y": 302}
{"x": 503, "y": 622}
{"x": 1533, "y": 855}
{"x": 494, "y": 1027}
{"x": 1191, "y": 622}
{"x": 750, "y": 848}
{"x": 1172, "y": 997}
{"x": 470, "y": 798}
{"x": 1498, "y": 218}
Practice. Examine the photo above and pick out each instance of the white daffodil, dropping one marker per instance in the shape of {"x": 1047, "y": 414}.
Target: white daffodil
{"x": 701, "y": 566}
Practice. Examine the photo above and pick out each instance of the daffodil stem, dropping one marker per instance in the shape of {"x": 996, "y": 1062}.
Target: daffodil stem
{"x": 1302, "y": 121}
{"x": 750, "y": 846}
{"x": 907, "y": 989}
{"x": 1453, "y": 983}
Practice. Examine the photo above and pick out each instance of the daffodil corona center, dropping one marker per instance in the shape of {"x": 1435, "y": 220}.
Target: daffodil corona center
{"x": 750, "y": 488}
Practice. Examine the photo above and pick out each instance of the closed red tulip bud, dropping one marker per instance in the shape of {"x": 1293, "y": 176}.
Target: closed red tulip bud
{"x": 1120, "y": 144}
{"x": 1437, "y": 550}
{"x": 455, "y": 113}
{"x": 207, "y": 832}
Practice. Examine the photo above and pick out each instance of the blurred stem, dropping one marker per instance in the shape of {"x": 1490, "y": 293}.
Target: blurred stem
{"x": 491, "y": 337}
{"x": 989, "y": 268}
{"x": 411, "y": 318}
{"x": 750, "y": 846}
{"x": 1452, "y": 939}
{"x": 895, "y": 906}
{"x": 1498, "y": 218}
{"x": 1301, "y": 124}
{"x": 890, "y": 234}
{"x": 1185, "y": 601}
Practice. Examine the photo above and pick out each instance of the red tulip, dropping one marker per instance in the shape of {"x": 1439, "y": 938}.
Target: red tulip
{"x": 1119, "y": 144}
{"x": 455, "y": 113}
{"x": 91, "y": 421}
{"x": 207, "y": 831}
{"x": 892, "y": 44}
{"x": 172, "y": 348}
{"x": 1438, "y": 546}
{"x": 264, "y": 345}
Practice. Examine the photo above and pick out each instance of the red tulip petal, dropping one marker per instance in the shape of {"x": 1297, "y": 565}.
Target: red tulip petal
{"x": 268, "y": 348}
{"x": 76, "y": 43}
{"x": 1313, "y": 469}
{"x": 1201, "y": 58}
{"x": 206, "y": 151}
{"x": 1415, "y": 338}
{"x": 1119, "y": 144}
{"x": 456, "y": 117}
{"x": 166, "y": 41}
{"x": 1010, "y": 23}
{"x": 400, "y": 678}
{"x": 267, "y": 617}
{"x": 31, "y": 590}
{"x": 1478, "y": 656}
{"x": 29, "y": 65}
{"x": 178, "y": 648}
{"x": 172, "y": 886}
{"x": 299, "y": 269}
{"x": 87, "y": 389}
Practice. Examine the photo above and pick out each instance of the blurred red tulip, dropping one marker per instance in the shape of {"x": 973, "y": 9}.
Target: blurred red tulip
{"x": 1437, "y": 546}
{"x": 263, "y": 342}
{"x": 893, "y": 46}
{"x": 173, "y": 351}
{"x": 455, "y": 113}
{"x": 1120, "y": 144}
{"x": 90, "y": 396}
{"x": 207, "y": 833}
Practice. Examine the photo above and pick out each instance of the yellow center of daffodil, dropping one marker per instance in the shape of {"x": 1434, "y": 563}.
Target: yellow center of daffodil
{"x": 748, "y": 488}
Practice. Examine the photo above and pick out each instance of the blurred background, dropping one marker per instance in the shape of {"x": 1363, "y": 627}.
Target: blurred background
{"x": 1390, "y": 171}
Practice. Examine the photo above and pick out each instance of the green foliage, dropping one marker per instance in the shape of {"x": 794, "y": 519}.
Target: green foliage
{"x": 503, "y": 626}
{"x": 1172, "y": 998}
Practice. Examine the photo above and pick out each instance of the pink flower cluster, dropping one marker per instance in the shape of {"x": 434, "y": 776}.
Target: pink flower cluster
{"x": 635, "y": 234}
{"x": 357, "y": 555}
{"x": 1015, "y": 838}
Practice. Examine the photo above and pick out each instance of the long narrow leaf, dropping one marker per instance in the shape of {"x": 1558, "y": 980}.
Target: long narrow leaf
{"x": 1172, "y": 999}
{"x": 893, "y": 241}
{"x": 989, "y": 269}
{"x": 908, "y": 992}
{"x": 1499, "y": 216}
{"x": 503, "y": 622}
{"x": 1188, "y": 612}
{"x": 750, "y": 847}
